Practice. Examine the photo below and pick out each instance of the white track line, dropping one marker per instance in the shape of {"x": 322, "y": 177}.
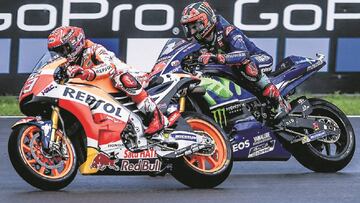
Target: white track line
{"x": 354, "y": 116}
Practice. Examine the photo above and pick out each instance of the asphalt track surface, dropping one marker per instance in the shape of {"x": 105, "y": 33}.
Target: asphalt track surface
{"x": 248, "y": 182}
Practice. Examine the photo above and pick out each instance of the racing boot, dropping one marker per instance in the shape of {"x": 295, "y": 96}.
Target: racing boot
{"x": 265, "y": 89}
{"x": 280, "y": 106}
{"x": 128, "y": 83}
{"x": 157, "y": 120}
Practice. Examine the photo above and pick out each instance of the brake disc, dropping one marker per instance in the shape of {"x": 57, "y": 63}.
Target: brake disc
{"x": 332, "y": 125}
{"x": 46, "y": 155}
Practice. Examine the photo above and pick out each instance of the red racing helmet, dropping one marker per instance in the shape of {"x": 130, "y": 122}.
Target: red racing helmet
{"x": 67, "y": 41}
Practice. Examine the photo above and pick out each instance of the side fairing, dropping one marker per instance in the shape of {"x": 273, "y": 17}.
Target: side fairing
{"x": 219, "y": 90}
{"x": 253, "y": 141}
{"x": 225, "y": 99}
{"x": 102, "y": 118}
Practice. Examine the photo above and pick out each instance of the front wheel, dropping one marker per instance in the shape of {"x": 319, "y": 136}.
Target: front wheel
{"x": 332, "y": 153}
{"x": 37, "y": 167}
{"x": 205, "y": 170}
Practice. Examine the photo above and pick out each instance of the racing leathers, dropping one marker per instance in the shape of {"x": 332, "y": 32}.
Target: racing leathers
{"x": 97, "y": 62}
{"x": 230, "y": 46}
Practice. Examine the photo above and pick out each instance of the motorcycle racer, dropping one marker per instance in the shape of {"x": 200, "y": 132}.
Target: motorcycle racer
{"x": 227, "y": 44}
{"x": 90, "y": 61}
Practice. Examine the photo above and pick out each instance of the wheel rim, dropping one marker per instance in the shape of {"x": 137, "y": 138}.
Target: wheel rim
{"x": 41, "y": 163}
{"x": 215, "y": 161}
{"x": 330, "y": 147}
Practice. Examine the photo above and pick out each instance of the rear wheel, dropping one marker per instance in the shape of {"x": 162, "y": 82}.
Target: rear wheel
{"x": 332, "y": 153}
{"x": 37, "y": 167}
{"x": 205, "y": 170}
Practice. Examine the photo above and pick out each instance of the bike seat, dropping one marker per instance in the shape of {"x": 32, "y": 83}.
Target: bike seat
{"x": 283, "y": 66}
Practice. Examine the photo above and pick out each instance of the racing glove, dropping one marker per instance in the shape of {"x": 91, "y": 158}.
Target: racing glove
{"x": 88, "y": 74}
{"x": 237, "y": 57}
{"x": 207, "y": 57}
{"x": 74, "y": 71}
{"x": 79, "y": 72}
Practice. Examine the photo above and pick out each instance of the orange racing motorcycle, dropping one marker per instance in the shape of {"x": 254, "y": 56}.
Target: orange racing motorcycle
{"x": 92, "y": 127}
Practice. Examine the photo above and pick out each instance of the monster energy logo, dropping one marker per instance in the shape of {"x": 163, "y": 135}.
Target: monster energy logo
{"x": 220, "y": 116}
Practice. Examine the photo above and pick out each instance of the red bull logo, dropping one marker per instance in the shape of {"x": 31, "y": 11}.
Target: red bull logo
{"x": 141, "y": 166}
{"x": 103, "y": 161}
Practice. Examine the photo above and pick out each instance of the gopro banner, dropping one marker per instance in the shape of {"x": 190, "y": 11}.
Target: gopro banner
{"x": 136, "y": 30}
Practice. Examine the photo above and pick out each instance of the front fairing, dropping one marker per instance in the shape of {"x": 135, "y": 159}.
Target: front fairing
{"x": 42, "y": 75}
{"x": 173, "y": 53}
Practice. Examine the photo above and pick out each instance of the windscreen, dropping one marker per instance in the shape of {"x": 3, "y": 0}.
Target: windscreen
{"x": 47, "y": 58}
{"x": 171, "y": 45}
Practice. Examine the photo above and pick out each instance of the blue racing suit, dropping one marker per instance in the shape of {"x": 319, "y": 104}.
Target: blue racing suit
{"x": 232, "y": 42}
{"x": 235, "y": 49}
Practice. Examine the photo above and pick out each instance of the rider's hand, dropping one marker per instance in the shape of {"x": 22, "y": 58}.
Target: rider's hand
{"x": 88, "y": 74}
{"x": 220, "y": 58}
{"x": 74, "y": 71}
{"x": 206, "y": 57}
{"x": 79, "y": 72}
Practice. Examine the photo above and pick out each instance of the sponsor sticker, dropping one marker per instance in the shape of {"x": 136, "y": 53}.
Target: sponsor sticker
{"x": 318, "y": 135}
{"x": 241, "y": 145}
{"x": 140, "y": 166}
{"x": 103, "y": 161}
{"x": 175, "y": 63}
{"x": 262, "y": 149}
{"x": 48, "y": 89}
{"x": 262, "y": 138}
{"x": 187, "y": 137}
{"x": 148, "y": 154}
{"x": 93, "y": 102}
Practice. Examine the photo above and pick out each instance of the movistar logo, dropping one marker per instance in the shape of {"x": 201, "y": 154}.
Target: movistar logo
{"x": 220, "y": 116}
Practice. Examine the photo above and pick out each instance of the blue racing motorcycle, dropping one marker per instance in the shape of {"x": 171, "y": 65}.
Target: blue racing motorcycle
{"x": 316, "y": 132}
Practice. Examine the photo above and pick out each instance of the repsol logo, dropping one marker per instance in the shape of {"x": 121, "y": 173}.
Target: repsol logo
{"x": 92, "y": 101}
{"x": 103, "y": 70}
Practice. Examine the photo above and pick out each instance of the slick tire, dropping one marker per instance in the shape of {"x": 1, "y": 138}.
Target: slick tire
{"x": 310, "y": 156}
{"x": 29, "y": 173}
{"x": 197, "y": 175}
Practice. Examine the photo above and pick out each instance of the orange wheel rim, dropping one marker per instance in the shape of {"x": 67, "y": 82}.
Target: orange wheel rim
{"x": 32, "y": 155}
{"x": 208, "y": 163}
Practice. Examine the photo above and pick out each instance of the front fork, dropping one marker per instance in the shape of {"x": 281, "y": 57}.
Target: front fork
{"x": 55, "y": 115}
{"x": 182, "y": 102}
{"x": 54, "y": 139}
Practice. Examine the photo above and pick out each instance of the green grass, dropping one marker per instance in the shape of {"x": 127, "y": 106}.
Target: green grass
{"x": 350, "y": 104}
{"x": 9, "y": 106}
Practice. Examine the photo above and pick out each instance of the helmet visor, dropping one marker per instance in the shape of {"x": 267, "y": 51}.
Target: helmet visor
{"x": 63, "y": 50}
{"x": 194, "y": 30}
